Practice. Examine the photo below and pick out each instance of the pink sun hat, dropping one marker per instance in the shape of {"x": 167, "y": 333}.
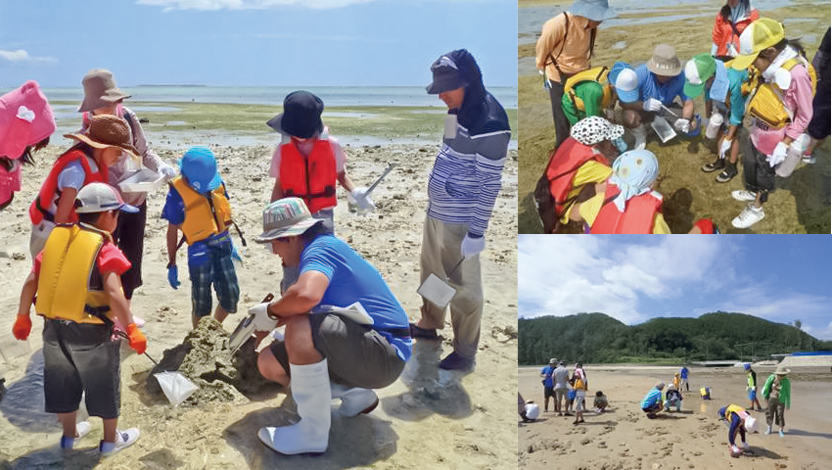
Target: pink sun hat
{"x": 25, "y": 119}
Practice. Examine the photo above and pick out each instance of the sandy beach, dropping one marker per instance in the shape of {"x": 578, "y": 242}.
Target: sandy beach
{"x": 427, "y": 419}
{"x": 623, "y": 438}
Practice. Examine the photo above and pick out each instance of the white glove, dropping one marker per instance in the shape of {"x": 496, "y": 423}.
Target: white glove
{"x": 682, "y": 125}
{"x": 472, "y": 246}
{"x": 362, "y": 200}
{"x": 724, "y": 147}
{"x": 651, "y": 104}
{"x": 262, "y": 321}
{"x": 778, "y": 155}
{"x": 168, "y": 172}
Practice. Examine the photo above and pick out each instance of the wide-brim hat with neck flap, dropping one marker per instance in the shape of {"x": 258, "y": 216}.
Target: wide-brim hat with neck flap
{"x": 106, "y": 131}
{"x": 664, "y": 61}
{"x": 301, "y": 116}
{"x": 100, "y": 90}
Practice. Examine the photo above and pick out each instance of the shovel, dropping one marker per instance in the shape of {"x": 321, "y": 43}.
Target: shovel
{"x": 244, "y": 329}
{"x": 370, "y": 189}
{"x": 176, "y": 387}
{"x": 437, "y": 291}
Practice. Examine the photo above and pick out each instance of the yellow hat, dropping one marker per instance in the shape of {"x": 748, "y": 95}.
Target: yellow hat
{"x": 758, "y": 36}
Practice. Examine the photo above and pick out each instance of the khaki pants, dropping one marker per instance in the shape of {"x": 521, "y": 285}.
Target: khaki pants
{"x": 440, "y": 253}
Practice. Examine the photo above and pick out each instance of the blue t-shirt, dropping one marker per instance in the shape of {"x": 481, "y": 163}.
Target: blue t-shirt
{"x": 352, "y": 279}
{"x": 653, "y": 397}
{"x": 547, "y": 371}
{"x": 728, "y": 87}
{"x": 649, "y": 86}
{"x": 684, "y": 373}
{"x": 174, "y": 212}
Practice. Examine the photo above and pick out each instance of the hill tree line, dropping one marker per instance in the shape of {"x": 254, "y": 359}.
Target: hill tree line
{"x": 599, "y": 338}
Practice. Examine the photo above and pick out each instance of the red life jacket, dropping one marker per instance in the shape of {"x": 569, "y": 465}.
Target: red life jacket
{"x": 563, "y": 166}
{"x": 39, "y": 209}
{"x": 638, "y": 216}
{"x": 311, "y": 178}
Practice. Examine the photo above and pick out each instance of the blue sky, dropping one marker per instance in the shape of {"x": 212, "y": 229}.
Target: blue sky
{"x": 253, "y": 42}
{"x": 780, "y": 278}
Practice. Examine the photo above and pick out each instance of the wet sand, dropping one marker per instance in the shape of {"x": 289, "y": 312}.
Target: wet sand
{"x": 427, "y": 419}
{"x": 623, "y": 438}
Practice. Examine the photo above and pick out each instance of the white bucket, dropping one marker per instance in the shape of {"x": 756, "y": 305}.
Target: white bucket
{"x": 176, "y": 386}
{"x": 436, "y": 291}
{"x": 662, "y": 129}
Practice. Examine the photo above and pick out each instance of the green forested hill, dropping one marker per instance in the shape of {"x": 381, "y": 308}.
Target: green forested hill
{"x": 596, "y": 337}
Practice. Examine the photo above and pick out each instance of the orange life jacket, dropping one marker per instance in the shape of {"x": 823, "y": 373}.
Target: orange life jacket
{"x": 311, "y": 178}
{"x": 39, "y": 209}
{"x": 563, "y": 165}
{"x": 638, "y": 216}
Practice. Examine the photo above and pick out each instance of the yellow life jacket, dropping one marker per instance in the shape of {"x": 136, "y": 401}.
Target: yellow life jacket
{"x": 766, "y": 100}
{"x": 705, "y": 392}
{"x": 68, "y": 265}
{"x": 737, "y": 410}
{"x": 597, "y": 75}
{"x": 204, "y": 216}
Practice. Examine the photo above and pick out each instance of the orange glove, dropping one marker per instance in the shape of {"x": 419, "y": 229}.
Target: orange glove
{"x": 136, "y": 338}
{"x": 22, "y": 327}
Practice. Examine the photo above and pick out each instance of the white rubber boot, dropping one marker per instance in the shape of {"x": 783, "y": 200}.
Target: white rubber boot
{"x": 310, "y": 390}
{"x": 640, "y": 133}
{"x": 354, "y": 401}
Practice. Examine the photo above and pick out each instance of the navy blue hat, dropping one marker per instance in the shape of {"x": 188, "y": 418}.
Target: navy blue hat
{"x": 301, "y": 116}
{"x": 446, "y": 76}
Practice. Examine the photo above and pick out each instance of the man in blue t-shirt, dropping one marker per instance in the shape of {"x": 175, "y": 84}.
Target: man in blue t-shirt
{"x": 346, "y": 333}
{"x": 548, "y": 383}
{"x": 660, "y": 81}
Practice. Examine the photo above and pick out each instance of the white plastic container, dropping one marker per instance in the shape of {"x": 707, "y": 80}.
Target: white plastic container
{"x": 714, "y": 124}
{"x": 143, "y": 181}
{"x": 436, "y": 291}
{"x": 662, "y": 128}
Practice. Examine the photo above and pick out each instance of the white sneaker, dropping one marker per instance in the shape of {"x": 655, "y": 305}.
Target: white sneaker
{"x": 748, "y": 217}
{"x": 743, "y": 195}
{"x": 123, "y": 439}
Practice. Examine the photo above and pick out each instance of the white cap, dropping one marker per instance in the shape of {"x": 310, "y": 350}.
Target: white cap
{"x": 626, "y": 86}
{"x": 100, "y": 197}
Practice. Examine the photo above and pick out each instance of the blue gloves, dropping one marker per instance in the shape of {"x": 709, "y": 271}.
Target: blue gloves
{"x": 173, "y": 276}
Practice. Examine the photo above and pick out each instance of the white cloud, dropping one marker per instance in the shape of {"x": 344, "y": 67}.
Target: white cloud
{"x": 777, "y": 304}
{"x": 169, "y": 5}
{"x": 21, "y": 56}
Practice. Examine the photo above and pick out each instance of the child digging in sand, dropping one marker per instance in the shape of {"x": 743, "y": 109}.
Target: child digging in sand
{"x": 601, "y": 402}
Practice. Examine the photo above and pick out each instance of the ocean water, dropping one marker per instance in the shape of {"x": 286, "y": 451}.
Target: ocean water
{"x": 410, "y": 96}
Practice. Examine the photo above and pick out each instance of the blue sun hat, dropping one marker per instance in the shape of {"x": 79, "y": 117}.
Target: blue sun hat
{"x": 595, "y": 10}
{"x": 199, "y": 167}
{"x": 615, "y": 70}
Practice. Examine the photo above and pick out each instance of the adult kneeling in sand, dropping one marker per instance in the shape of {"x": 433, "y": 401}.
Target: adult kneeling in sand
{"x": 652, "y": 402}
{"x": 358, "y": 352}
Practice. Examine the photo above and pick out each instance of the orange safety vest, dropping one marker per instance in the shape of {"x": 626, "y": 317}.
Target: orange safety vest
{"x": 637, "y": 218}
{"x": 40, "y": 206}
{"x": 563, "y": 165}
{"x": 311, "y": 178}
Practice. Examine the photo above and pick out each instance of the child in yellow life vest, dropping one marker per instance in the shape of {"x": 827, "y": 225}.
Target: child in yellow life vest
{"x": 197, "y": 204}
{"x": 77, "y": 281}
{"x": 308, "y": 162}
{"x": 781, "y": 108}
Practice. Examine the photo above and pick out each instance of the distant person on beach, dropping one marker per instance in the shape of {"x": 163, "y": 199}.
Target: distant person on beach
{"x": 581, "y": 384}
{"x": 308, "y": 163}
{"x": 591, "y": 93}
{"x": 778, "y": 393}
{"x": 102, "y": 96}
{"x": 26, "y": 122}
{"x": 677, "y": 380}
{"x": 723, "y": 89}
{"x": 86, "y": 162}
{"x": 600, "y": 403}
{"x": 462, "y": 189}
{"x": 683, "y": 374}
{"x": 739, "y": 421}
{"x": 652, "y": 402}
{"x": 75, "y": 284}
{"x": 751, "y": 388}
{"x": 574, "y": 169}
{"x": 548, "y": 383}
{"x": 528, "y": 410}
{"x": 730, "y": 22}
{"x": 819, "y": 126}
{"x": 660, "y": 82}
{"x": 781, "y": 109}
{"x": 561, "y": 378}
{"x": 326, "y": 354}
{"x": 197, "y": 205}
{"x": 564, "y": 49}
{"x": 673, "y": 398}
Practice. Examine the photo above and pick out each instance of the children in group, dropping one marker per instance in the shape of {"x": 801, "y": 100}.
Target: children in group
{"x": 85, "y": 162}
{"x": 77, "y": 282}
{"x": 601, "y": 403}
{"x": 197, "y": 204}
{"x": 102, "y": 97}
{"x": 739, "y": 421}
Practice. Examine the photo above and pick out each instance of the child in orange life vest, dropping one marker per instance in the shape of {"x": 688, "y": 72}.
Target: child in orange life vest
{"x": 197, "y": 204}
{"x": 771, "y": 137}
{"x": 84, "y": 163}
{"x": 77, "y": 281}
{"x": 307, "y": 164}
{"x": 102, "y": 96}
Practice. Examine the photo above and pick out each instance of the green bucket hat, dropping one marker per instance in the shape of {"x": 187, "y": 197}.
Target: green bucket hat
{"x": 698, "y": 70}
